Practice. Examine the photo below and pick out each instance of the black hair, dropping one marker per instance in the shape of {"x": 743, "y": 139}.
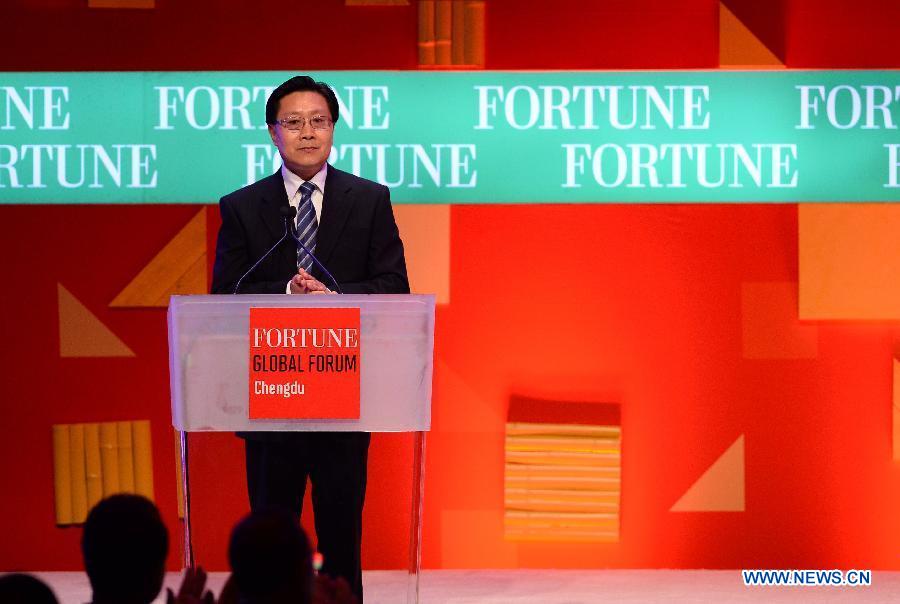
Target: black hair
{"x": 19, "y": 588}
{"x": 300, "y": 84}
{"x": 124, "y": 545}
{"x": 270, "y": 558}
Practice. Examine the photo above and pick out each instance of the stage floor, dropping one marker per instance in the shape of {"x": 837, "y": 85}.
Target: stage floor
{"x": 559, "y": 587}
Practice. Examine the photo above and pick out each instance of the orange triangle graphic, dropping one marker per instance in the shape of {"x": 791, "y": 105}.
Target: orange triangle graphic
{"x": 82, "y": 334}
{"x": 179, "y": 268}
{"x": 721, "y": 487}
{"x": 739, "y": 47}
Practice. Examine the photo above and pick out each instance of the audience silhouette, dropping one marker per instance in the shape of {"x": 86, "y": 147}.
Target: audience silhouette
{"x": 125, "y": 545}
{"x": 270, "y": 559}
{"x": 271, "y": 563}
{"x": 18, "y": 588}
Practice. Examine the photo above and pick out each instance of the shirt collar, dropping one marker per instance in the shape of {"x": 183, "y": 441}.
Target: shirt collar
{"x": 292, "y": 182}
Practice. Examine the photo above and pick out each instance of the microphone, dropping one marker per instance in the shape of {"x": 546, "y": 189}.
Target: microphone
{"x": 337, "y": 287}
{"x": 287, "y": 213}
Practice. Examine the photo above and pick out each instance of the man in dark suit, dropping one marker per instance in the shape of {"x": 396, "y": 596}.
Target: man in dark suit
{"x": 348, "y": 224}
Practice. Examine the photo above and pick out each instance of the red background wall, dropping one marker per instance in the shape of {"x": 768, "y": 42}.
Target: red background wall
{"x": 638, "y": 305}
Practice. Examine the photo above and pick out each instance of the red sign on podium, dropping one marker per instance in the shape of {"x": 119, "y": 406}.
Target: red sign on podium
{"x": 304, "y": 363}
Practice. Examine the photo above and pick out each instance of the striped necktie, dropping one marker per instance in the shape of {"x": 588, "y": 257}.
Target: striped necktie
{"x": 306, "y": 226}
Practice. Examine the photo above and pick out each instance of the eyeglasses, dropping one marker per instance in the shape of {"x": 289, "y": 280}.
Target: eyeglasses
{"x": 318, "y": 122}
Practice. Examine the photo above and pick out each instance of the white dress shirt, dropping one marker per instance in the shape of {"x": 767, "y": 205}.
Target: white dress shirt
{"x": 292, "y": 184}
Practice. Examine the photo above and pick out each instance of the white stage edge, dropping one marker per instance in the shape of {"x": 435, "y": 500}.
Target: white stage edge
{"x": 559, "y": 587}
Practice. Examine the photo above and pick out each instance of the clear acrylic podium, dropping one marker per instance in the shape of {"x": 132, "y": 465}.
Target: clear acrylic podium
{"x": 208, "y": 369}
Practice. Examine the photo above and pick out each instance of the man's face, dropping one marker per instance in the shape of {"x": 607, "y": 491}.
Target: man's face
{"x": 303, "y": 151}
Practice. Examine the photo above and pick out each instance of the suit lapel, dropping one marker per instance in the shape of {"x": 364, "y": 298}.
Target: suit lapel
{"x": 274, "y": 198}
{"x": 336, "y": 206}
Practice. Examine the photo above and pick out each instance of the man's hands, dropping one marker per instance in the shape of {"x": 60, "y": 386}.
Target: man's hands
{"x": 304, "y": 283}
{"x": 191, "y": 590}
{"x": 332, "y": 591}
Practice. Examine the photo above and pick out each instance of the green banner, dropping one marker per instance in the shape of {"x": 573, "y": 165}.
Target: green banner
{"x": 464, "y": 137}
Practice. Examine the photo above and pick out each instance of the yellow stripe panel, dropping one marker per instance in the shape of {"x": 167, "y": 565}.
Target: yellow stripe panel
{"x": 527, "y": 428}
{"x": 514, "y": 504}
{"x": 458, "y": 34}
{"x": 79, "y": 478}
{"x": 143, "y": 461}
{"x": 543, "y": 471}
{"x": 567, "y": 495}
{"x": 605, "y": 478}
{"x": 92, "y": 465}
{"x": 443, "y": 21}
{"x": 93, "y": 461}
{"x": 562, "y": 482}
{"x": 451, "y": 32}
{"x": 62, "y": 475}
{"x": 109, "y": 458}
{"x": 426, "y": 32}
{"x": 474, "y": 34}
{"x": 580, "y": 484}
{"x": 563, "y": 458}
{"x": 126, "y": 457}
{"x": 563, "y": 443}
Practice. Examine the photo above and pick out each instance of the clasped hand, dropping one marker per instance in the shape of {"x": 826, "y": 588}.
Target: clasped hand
{"x": 304, "y": 283}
